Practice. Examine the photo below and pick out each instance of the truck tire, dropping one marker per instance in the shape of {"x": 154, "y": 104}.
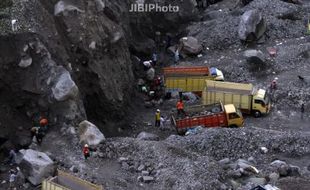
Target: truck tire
{"x": 257, "y": 113}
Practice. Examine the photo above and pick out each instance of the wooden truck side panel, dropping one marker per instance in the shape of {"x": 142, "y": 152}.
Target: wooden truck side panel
{"x": 239, "y": 94}
{"x": 186, "y": 84}
{"x": 215, "y": 120}
{"x": 241, "y": 101}
{"x": 186, "y": 71}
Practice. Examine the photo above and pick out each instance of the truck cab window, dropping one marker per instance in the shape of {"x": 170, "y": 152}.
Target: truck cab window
{"x": 233, "y": 116}
{"x": 259, "y": 102}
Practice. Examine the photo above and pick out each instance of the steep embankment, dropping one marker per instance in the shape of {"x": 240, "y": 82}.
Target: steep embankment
{"x": 80, "y": 48}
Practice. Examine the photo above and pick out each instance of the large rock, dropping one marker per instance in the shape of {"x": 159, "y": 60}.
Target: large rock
{"x": 255, "y": 56}
{"x": 90, "y": 134}
{"x": 252, "y": 26}
{"x": 258, "y": 181}
{"x": 65, "y": 88}
{"x": 25, "y": 62}
{"x": 190, "y": 46}
{"x": 147, "y": 136}
{"x": 63, "y": 8}
{"x": 281, "y": 167}
{"x": 150, "y": 74}
{"x": 35, "y": 165}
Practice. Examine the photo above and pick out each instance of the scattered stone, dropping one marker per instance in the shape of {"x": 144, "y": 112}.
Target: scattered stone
{"x": 224, "y": 161}
{"x": 145, "y": 173}
{"x": 74, "y": 169}
{"x": 122, "y": 159}
{"x": 90, "y": 134}
{"x": 257, "y": 181}
{"x": 147, "y": 179}
{"x": 141, "y": 167}
{"x": 294, "y": 170}
{"x": 92, "y": 45}
{"x": 252, "y": 26}
{"x": 255, "y": 56}
{"x": 36, "y": 166}
{"x": 147, "y": 136}
{"x": 140, "y": 178}
{"x": 273, "y": 177}
{"x": 125, "y": 165}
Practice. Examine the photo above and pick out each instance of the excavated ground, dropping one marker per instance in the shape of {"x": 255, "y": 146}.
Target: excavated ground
{"x": 192, "y": 162}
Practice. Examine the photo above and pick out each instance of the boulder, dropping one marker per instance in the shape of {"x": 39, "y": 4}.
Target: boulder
{"x": 190, "y": 46}
{"x": 147, "y": 136}
{"x": 258, "y": 181}
{"x": 281, "y": 167}
{"x": 65, "y": 88}
{"x": 25, "y": 62}
{"x": 147, "y": 179}
{"x": 63, "y": 8}
{"x": 90, "y": 134}
{"x": 35, "y": 165}
{"x": 252, "y": 26}
{"x": 258, "y": 57}
{"x": 150, "y": 74}
{"x": 294, "y": 170}
{"x": 273, "y": 177}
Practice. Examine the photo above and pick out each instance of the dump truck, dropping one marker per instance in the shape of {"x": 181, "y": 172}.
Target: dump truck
{"x": 65, "y": 181}
{"x": 213, "y": 115}
{"x": 245, "y": 97}
{"x": 189, "y": 79}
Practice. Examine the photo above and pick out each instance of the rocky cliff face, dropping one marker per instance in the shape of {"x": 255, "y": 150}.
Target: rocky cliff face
{"x": 69, "y": 60}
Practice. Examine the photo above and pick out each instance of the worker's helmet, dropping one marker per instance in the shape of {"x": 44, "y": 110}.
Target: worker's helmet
{"x": 158, "y": 110}
{"x": 43, "y": 122}
{"x": 276, "y": 78}
{"x": 86, "y": 145}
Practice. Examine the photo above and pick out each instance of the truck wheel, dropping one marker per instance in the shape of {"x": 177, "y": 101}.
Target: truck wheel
{"x": 257, "y": 114}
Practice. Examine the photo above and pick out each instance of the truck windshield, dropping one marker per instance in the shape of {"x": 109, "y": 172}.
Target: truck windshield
{"x": 266, "y": 98}
{"x": 239, "y": 113}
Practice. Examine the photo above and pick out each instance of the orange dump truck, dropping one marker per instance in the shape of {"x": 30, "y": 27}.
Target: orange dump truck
{"x": 213, "y": 115}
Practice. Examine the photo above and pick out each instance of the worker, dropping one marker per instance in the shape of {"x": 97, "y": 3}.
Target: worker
{"x": 86, "y": 151}
{"x": 12, "y": 178}
{"x": 162, "y": 123}
{"x": 34, "y": 132}
{"x": 176, "y": 56}
{"x": 168, "y": 41}
{"x": 180, "y": 107}
{"x": 273, "y": 84}
{"x": 12, "y": 157}
{"x": 147, "y": 65}
{"x": 14, "y": 25}
{"x": 154, "y": 59}
{"x": 144, "y": 89}
{"x": 302, "y": 110}
{"x": 157, "y": 118}
{"x": 43, "y": 124}
{"x": 40, "y": 135}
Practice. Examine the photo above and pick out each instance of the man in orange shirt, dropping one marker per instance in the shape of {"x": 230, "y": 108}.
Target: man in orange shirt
{"x": 180, "y": 107}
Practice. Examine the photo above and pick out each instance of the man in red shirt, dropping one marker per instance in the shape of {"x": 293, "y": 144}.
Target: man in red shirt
{"x": 86, "y": 151}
